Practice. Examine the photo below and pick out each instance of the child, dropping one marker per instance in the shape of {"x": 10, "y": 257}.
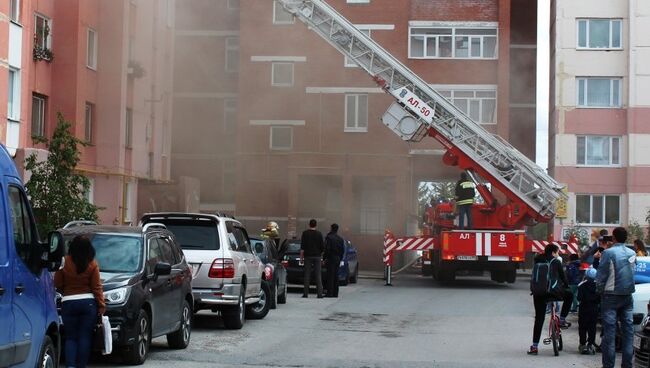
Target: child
{"x": 588, "y": 312}
{"x": 573, "y": 275}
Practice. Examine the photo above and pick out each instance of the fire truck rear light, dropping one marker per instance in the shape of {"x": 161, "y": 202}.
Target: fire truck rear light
{"x": 222, "y": 268}
{"x": 516, "y": 259}
{"x": 448, "y": 257}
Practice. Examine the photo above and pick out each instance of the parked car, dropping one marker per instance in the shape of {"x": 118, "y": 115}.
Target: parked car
{"x": 147, "y": 286}
{"x": 228, "y": 276}
{"x": 29, "y": 324}
{"x": 274, "y": 273}
{"x": 348, "y": 270}
{"x": 641, "y": 342}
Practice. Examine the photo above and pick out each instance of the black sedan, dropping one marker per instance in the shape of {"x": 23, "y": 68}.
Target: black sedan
{"x": 348, "y": 270}
{"x": 274, "y": 272}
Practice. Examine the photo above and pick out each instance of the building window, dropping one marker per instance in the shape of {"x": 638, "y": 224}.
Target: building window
{"x": 356, "y": 113}
{"x": 91, "y": 51}
{"x": 459, "y": 43}
{"x": 479, "y": 105}
{"x": 281, "y": 138}
{"x": 38, "y": 115}
{"x": 349, "y": 63}
{"x": 228, "y": 181}
{"x": 43, "y": 28}
{"x": 281, "y": 16}
{"x": 128, "y": 134}
{"x": 14, "y": 10}
{"x": 232, "y": 54}
{"x": 358, "y": 1}
{"x": 89, "y": 194}
{"x": 230, "y": 106}
{"x": 13, "y": 96}
{"x": 599, "y": 92}
{"x": 127, "y": 199}
{"x": 599, "y": 151}
{"x": 598, "y": 209}
{"x": 233, "y": 4}
{"x": 282, "y": 74}
{"x": 88, "y": 122}
{"x": 600, "y": 33}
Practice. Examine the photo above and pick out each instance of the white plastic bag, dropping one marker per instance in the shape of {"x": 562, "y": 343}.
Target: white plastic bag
{"x": 108, "y": 336}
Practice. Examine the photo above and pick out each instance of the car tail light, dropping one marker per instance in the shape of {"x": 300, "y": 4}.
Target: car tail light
{"x": 268, "y": 273}
{"x": 285, "y": 263}
{"x": 222, "y": 268}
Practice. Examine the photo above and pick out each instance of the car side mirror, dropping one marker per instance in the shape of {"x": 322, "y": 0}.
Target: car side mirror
{"x": 54, "y": 251}
{"x": 162, "y": 269}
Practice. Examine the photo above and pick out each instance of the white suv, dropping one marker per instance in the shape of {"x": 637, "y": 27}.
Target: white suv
{"x": 227, "y": 275}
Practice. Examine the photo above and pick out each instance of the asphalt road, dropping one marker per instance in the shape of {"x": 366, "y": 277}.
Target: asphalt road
{"x": 415, "y": 323}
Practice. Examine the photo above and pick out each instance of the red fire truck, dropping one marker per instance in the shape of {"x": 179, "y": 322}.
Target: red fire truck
{"x": 497, "y": 242}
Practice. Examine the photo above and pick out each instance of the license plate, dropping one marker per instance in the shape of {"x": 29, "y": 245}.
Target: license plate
{"x": 427, "y": 262}
{"x": 301, "y": 262}
{"x": 466, "y": 258}
{"x": 637, "y": 342}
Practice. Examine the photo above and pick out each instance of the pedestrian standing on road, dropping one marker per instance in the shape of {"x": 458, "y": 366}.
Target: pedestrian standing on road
{"x": 556, "y": 273}
{"x": 639, "y": 248}
{"x": 465, "y": 192}
{"x": 588, "y": 256}
{"x": 615, "y": 280}
{"x": 334, "y": 251}
{"x": 311, "y": 253}
{"x": 588, "y": 313}
{"x": 573, "y": 275}
{"x": 83, "y": 300}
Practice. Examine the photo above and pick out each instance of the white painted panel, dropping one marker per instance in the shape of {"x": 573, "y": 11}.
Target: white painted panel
{"x": 15, "y": 45}
{"x": 13, "y": 136}
{"x": 642, "y": 29}
{"x": 642, "y": 89}
{"x": 565, "y": 146}
{"x": 643, "y": 58}
{"x": 639, "y": 150}
{"x": 593, "y": 9}
{"x": 639, "y": 205}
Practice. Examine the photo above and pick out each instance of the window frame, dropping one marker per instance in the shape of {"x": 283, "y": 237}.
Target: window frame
{"x": 275, "y": 64}
{"x": 603, "y": 197}
{"x": 91, "y": 58}
{"x": 612, "y": 105}
{"x": 43, "y": 111}
{"x": 275, "y": 13}
{"x": 611, "y": 34}
{"x": 453, "y": 35}
{"x": 475, "y": 90}
{"x": 230, "y": 108}
{"x": 13, "y": 97}
{"x": 231, "y": 48}
{"x": 356, "y": 128}
{"x": 271, "y": 135}
{"x": 128, "y": 129}
{"x": 47, "y": 39}
{"x": 14, "y": 11}
{"x": 611, "y": 150}
{"x": 89, "y": 114}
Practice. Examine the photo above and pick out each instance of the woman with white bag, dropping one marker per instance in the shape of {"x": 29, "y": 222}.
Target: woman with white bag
{"x": 83, "y": 300}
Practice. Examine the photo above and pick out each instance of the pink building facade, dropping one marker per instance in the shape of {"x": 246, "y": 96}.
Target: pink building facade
{"x": 600, "y": 105}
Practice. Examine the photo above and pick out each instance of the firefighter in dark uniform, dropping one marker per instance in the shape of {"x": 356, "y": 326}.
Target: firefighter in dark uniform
{"x": 464, "y": 200}
{"x": 334, "y": 250}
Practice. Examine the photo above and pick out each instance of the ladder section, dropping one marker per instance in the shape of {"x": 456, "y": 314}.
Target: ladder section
{"x": 510, "y": 167}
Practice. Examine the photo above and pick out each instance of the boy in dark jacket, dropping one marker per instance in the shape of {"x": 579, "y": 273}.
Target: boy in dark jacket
{"x": 574, "y": 277}
{"x": 588, "y": 313}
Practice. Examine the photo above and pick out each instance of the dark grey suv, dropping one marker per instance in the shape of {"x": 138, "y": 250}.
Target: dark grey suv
{"x": 147, "y": 286}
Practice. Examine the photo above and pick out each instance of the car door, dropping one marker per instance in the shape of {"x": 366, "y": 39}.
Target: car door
{"x": 158, "y": 289}
{"x": 27, "y": 291}
{"x": 174, "y": 295}
{"x": 6, "y": 281}
{"x": 251, "y": 261}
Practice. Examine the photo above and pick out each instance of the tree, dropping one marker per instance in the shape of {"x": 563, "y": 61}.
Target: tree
{"x": 634, "y": 231}
{"x": 56, "y": 189}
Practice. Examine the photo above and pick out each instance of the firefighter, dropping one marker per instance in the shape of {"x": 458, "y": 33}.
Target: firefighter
{"x": 465, "y": 192}
{"x": 272, "y": 231}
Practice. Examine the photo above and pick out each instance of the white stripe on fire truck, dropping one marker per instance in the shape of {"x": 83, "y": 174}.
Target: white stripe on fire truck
{"x": 488, "y": 244}
{"x": 479, "y": 244}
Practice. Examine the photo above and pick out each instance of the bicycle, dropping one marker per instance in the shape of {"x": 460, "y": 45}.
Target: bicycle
{"x": 554, "y": 331}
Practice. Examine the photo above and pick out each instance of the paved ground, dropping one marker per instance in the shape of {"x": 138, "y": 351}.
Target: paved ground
{"x": 416, "y": 323}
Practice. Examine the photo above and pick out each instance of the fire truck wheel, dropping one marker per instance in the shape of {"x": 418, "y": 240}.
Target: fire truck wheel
{"x": 511, "y": 276}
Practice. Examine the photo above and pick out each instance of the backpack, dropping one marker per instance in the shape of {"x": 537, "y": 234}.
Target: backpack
{"x": 542, "y": 281}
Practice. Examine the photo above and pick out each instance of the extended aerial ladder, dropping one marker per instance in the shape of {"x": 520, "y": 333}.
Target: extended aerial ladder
{"x": 420, "y": 111}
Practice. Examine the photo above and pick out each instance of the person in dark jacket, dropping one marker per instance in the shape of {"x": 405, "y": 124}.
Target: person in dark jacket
{"x": 551, "y": 255}
{"x": 334, "y": 251}
{"x": 573, "y": 275}
{"x": 311, "y": 253}
{"x": 464, "y": 193}
{"x": 588, "y": 313}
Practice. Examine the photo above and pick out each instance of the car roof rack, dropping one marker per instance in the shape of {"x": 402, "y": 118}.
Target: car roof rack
{"x": 155, "y": 225}
{"x": 79, "y": 223}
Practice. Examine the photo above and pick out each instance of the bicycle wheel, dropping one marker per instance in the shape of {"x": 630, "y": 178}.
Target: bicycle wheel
{"x": 554, "y": 338}
{"x": 559, "y": 342}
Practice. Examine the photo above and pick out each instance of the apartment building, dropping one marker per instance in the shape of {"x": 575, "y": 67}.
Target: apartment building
{"x": 106, "y": 67}
{"x": 599, "y": 109}
{"x": 309, "y": 140}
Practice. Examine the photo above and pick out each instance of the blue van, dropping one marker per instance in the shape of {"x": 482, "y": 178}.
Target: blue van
{"x": 29, "y": 324}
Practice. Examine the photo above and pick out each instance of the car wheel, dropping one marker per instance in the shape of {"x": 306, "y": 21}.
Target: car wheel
{"x": 260, "y": 309}
{"x": 355, "y": 277}
{"x": 282, "y": 298}
{"x": 139, "y": 350}
{"x": 273, "y": 302}
{"x": 346, "y": 280}
{"x": 47, "y": 357}
{"x": 233, "y": 317}
{"x": 181, "y": 338}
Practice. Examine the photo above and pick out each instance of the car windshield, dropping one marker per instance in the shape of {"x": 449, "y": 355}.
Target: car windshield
{"x": 258, "y": 247}
{"x": 293, "y": 248}
{"x": 117, "y": 253}
{"x": 201, "y": 235}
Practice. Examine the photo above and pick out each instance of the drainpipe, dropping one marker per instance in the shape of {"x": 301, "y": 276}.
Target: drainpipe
{"x": 631, "y": 98}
